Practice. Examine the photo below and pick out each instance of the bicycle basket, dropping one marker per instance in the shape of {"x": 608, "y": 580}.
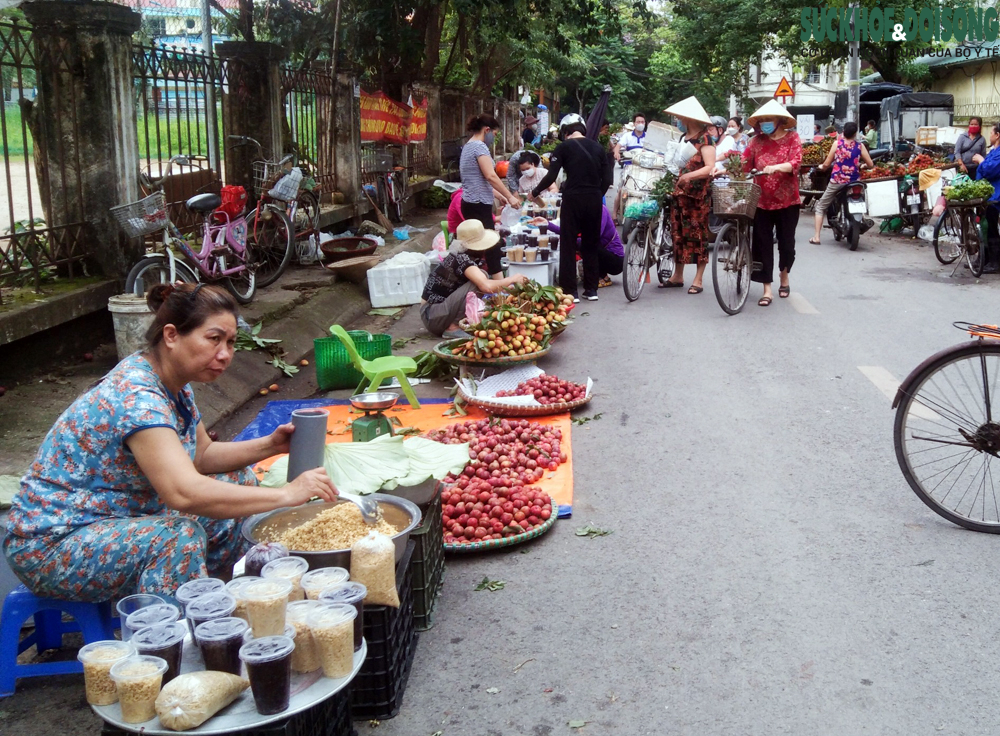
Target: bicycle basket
{"x": 144, "y": 217}
{"x": 735, "y": 198}
{"x": 265, "y": 174}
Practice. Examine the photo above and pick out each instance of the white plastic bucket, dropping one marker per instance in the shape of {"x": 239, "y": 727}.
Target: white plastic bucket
{"x": 132, "y": 318}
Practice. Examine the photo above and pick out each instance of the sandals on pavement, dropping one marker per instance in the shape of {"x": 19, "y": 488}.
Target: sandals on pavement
{"x": 668, "y": 284}
{"x": 784, "y": 291}
{"x": 814, "y": 241}
{"x": 765, "y": 301}
{"x": 695, "y": 290}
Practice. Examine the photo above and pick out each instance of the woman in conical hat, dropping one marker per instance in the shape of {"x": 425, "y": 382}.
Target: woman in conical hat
{"x": 777, "y": 152}
{"x": 692, "y": 195}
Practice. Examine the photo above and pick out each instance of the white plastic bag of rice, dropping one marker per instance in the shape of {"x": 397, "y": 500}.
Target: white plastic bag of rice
{"x": 190, "y": 699}
{"x": 373, "y": 564}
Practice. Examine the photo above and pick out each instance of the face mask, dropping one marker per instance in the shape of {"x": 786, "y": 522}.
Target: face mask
{"x": 490, "y": 137}
{"x": 731, "y": 131}
{"x": 974, "y": 130}
{"x": 530, "y": 171}
{"x": 714, "y": 139}
{"x": 639, "y": 127}
{"x": 767, "y": 128}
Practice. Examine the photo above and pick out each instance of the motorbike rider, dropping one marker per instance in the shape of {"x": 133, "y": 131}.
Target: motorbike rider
{"x": 844, "y": 157}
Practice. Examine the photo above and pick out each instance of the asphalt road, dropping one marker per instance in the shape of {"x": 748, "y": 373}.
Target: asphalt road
{"x": 770, "y": 572}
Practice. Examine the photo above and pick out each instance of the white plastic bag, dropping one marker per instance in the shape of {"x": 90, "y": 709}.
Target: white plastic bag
{"x": 509, "y": 216}
{"x": 190, "y": 699}
{"x": 474, "y": 308}
{"x": 287, "y": 188}
{"x": 926, "y": 232}
{"x": 373, "y": 564}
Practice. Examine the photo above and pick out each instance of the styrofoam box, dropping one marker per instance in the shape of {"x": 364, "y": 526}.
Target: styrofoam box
{"x": 540, "y": 271}
{"x": 397, "y": 286}
{"x": 883, "y": 198}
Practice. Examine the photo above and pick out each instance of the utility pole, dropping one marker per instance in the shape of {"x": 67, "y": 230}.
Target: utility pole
{"x": 854, "y": 65}
{"x": 210, "y": 109}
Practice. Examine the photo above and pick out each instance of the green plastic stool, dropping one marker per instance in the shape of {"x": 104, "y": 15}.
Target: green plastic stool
{"x": 378, "y": 370}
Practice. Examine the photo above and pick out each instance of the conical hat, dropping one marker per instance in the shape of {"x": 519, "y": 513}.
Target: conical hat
{"x": 689, "y": 109}
{"x": 771, "y": 108}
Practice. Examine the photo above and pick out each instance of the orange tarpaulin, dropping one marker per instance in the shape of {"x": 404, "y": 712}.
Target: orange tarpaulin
{"x": 558, "y": 484}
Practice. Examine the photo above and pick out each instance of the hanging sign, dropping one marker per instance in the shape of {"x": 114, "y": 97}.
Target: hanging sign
{"x": 418, "y": 121}
{"x": 383, "y": 120}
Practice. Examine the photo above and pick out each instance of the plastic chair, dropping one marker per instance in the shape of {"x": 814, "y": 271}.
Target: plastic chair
{"x": 94, "y": 620}
{"x": 378, "y": 370}
{"x": 447, "y": 235}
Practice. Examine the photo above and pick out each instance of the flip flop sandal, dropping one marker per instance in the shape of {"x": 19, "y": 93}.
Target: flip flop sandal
{"x": 695, "y": 290}
{"x": 671, "y": 285}
{"x": 765, "y": 301}
{"x": 813, "y": 241}
{"x": 784, "y": 291}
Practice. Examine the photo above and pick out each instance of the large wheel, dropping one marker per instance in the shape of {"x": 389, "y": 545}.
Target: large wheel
{"x": 853, "y": 233}
{"x": 270, "y": 240}
{"x": 973, "y": 244}
{"x": 307, "y": 214}
{"x": 153, "y": 270}
{"x": 947, "y": 237}
{"x": 242, "y": 285}
{"x": 636, "y": 265}
{"x": 731, "y": 266}
{"x": 947, "y": 435}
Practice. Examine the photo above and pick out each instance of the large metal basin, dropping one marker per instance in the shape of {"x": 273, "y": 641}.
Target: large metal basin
{"x": 399, "y": 512}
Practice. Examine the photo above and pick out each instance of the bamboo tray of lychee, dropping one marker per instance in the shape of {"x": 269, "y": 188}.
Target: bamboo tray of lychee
{"x": 524, "y": 391}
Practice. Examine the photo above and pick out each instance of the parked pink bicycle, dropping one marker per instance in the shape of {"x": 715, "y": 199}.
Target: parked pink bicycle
{"x": 223, "y": 256}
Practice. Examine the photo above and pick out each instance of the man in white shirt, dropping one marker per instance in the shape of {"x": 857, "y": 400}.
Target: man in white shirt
{"x": 632, "y": 140}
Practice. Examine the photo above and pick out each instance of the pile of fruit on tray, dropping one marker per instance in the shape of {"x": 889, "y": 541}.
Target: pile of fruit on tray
{"x": 493, "y": 497}
{"x": 548, "y": 390}
{"x": 813, "y": 154}
{"x": 886, "y": 170}
{"x": 920, "y": 162}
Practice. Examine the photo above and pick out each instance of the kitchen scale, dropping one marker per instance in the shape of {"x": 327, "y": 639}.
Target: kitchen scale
{"x": 374, "y": 423}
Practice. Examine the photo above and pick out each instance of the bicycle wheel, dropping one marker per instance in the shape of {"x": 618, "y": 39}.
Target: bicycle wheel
{"x": 731, "y": 264}
{"x": 270, "y": 239}
{"x": 972, "y": 243}
{"x": 242, "y": 285}
{"x": 947, "y": 434}
{"x": 661, "y": 245}
{"x": 307, "y": 215}
{"x": 153, "y": 270}
{"x": 636, "y": 264}
{"x": 947, "y": 237}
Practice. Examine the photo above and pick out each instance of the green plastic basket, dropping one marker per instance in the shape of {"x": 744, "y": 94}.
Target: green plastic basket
{"x": 333, "y": 365}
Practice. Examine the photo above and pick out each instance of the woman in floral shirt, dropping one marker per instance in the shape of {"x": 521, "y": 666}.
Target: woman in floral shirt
{"x": 846, "y": 157}
{"x": 777, "y": 152}
{"x": 127, "y": 493}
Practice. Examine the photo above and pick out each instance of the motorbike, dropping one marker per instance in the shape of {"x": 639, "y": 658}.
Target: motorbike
{"x": 909, "y": 191}
{"x": 847, "y": 214}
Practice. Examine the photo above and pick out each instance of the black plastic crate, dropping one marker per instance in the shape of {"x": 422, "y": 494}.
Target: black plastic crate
{"x": 377, "y": 691}
{"x": 428, "y": 562}
{"x": 332, "y": 717}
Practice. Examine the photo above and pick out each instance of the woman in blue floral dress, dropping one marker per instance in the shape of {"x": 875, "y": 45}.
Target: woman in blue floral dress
{"x": 128, "y": 493}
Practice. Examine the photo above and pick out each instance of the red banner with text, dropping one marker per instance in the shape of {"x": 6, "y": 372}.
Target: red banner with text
{"x": 383, "y": 120}
{"x": 418, "y": 123}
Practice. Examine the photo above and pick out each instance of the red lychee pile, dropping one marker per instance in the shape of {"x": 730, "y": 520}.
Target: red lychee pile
{"x": 548, "y": 390}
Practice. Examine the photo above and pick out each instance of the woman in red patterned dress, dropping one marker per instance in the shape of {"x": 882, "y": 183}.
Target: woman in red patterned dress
{"x": 776, "y": 151}
{"x": 692, "y": 196}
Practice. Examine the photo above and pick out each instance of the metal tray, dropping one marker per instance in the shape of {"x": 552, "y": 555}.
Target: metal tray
{"x": 241, "y": 715}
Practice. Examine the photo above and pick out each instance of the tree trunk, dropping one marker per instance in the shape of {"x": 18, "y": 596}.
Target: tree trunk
{"x": 432, "y": 25}
{"x": 246, "y": 20}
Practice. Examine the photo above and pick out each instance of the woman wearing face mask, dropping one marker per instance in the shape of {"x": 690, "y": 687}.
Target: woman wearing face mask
{"x": 777, "y": 152}
{"x": 970, "y": 145}
{"x": 988, "y": 168}
{"x": 742, "y": 139}
{"x": 726, "y": 144}
{"x": 532, "y": 172}
{"x": 480, "y": 180}
{"x": 692, "y": 195}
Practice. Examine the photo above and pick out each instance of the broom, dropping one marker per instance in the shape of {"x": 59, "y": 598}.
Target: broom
{"x": 382, "y": 219}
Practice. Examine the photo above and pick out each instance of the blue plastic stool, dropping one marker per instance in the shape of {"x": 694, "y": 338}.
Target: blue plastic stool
{"x": 93, "y": 620}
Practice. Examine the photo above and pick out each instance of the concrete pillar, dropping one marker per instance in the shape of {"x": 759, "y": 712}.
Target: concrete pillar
{"x": 83, "y": 120}
{"x": 433, "y": 95}
{"x": 251, "y": 104}
{"x": 347, "y": 137}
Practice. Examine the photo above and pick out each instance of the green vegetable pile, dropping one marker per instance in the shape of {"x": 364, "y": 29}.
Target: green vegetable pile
{"x": 435, "y": 198}
{"x": 969, "y": 190}
{"x": 663, "y": 188}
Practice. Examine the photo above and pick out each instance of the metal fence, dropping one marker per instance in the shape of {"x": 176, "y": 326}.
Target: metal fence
{"x": 41, "y": 227}
{"x": 308, "y": 108}
{"x": 987, "y": 107}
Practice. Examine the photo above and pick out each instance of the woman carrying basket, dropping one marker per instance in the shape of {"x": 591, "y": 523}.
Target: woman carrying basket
{"x": 777, "y": 152}
{"x": 692, "y": 195}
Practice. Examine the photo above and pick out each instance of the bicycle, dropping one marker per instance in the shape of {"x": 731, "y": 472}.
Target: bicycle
{"x": 393, "y": 190}
{"x": 272, "y": 231}
{"x": 946, "y": 433}
{"x": 648, "y": 240}
{"x": 223, "y": 255}
{"x": 957, "y": 235}
{"x": 735, "y": 202}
